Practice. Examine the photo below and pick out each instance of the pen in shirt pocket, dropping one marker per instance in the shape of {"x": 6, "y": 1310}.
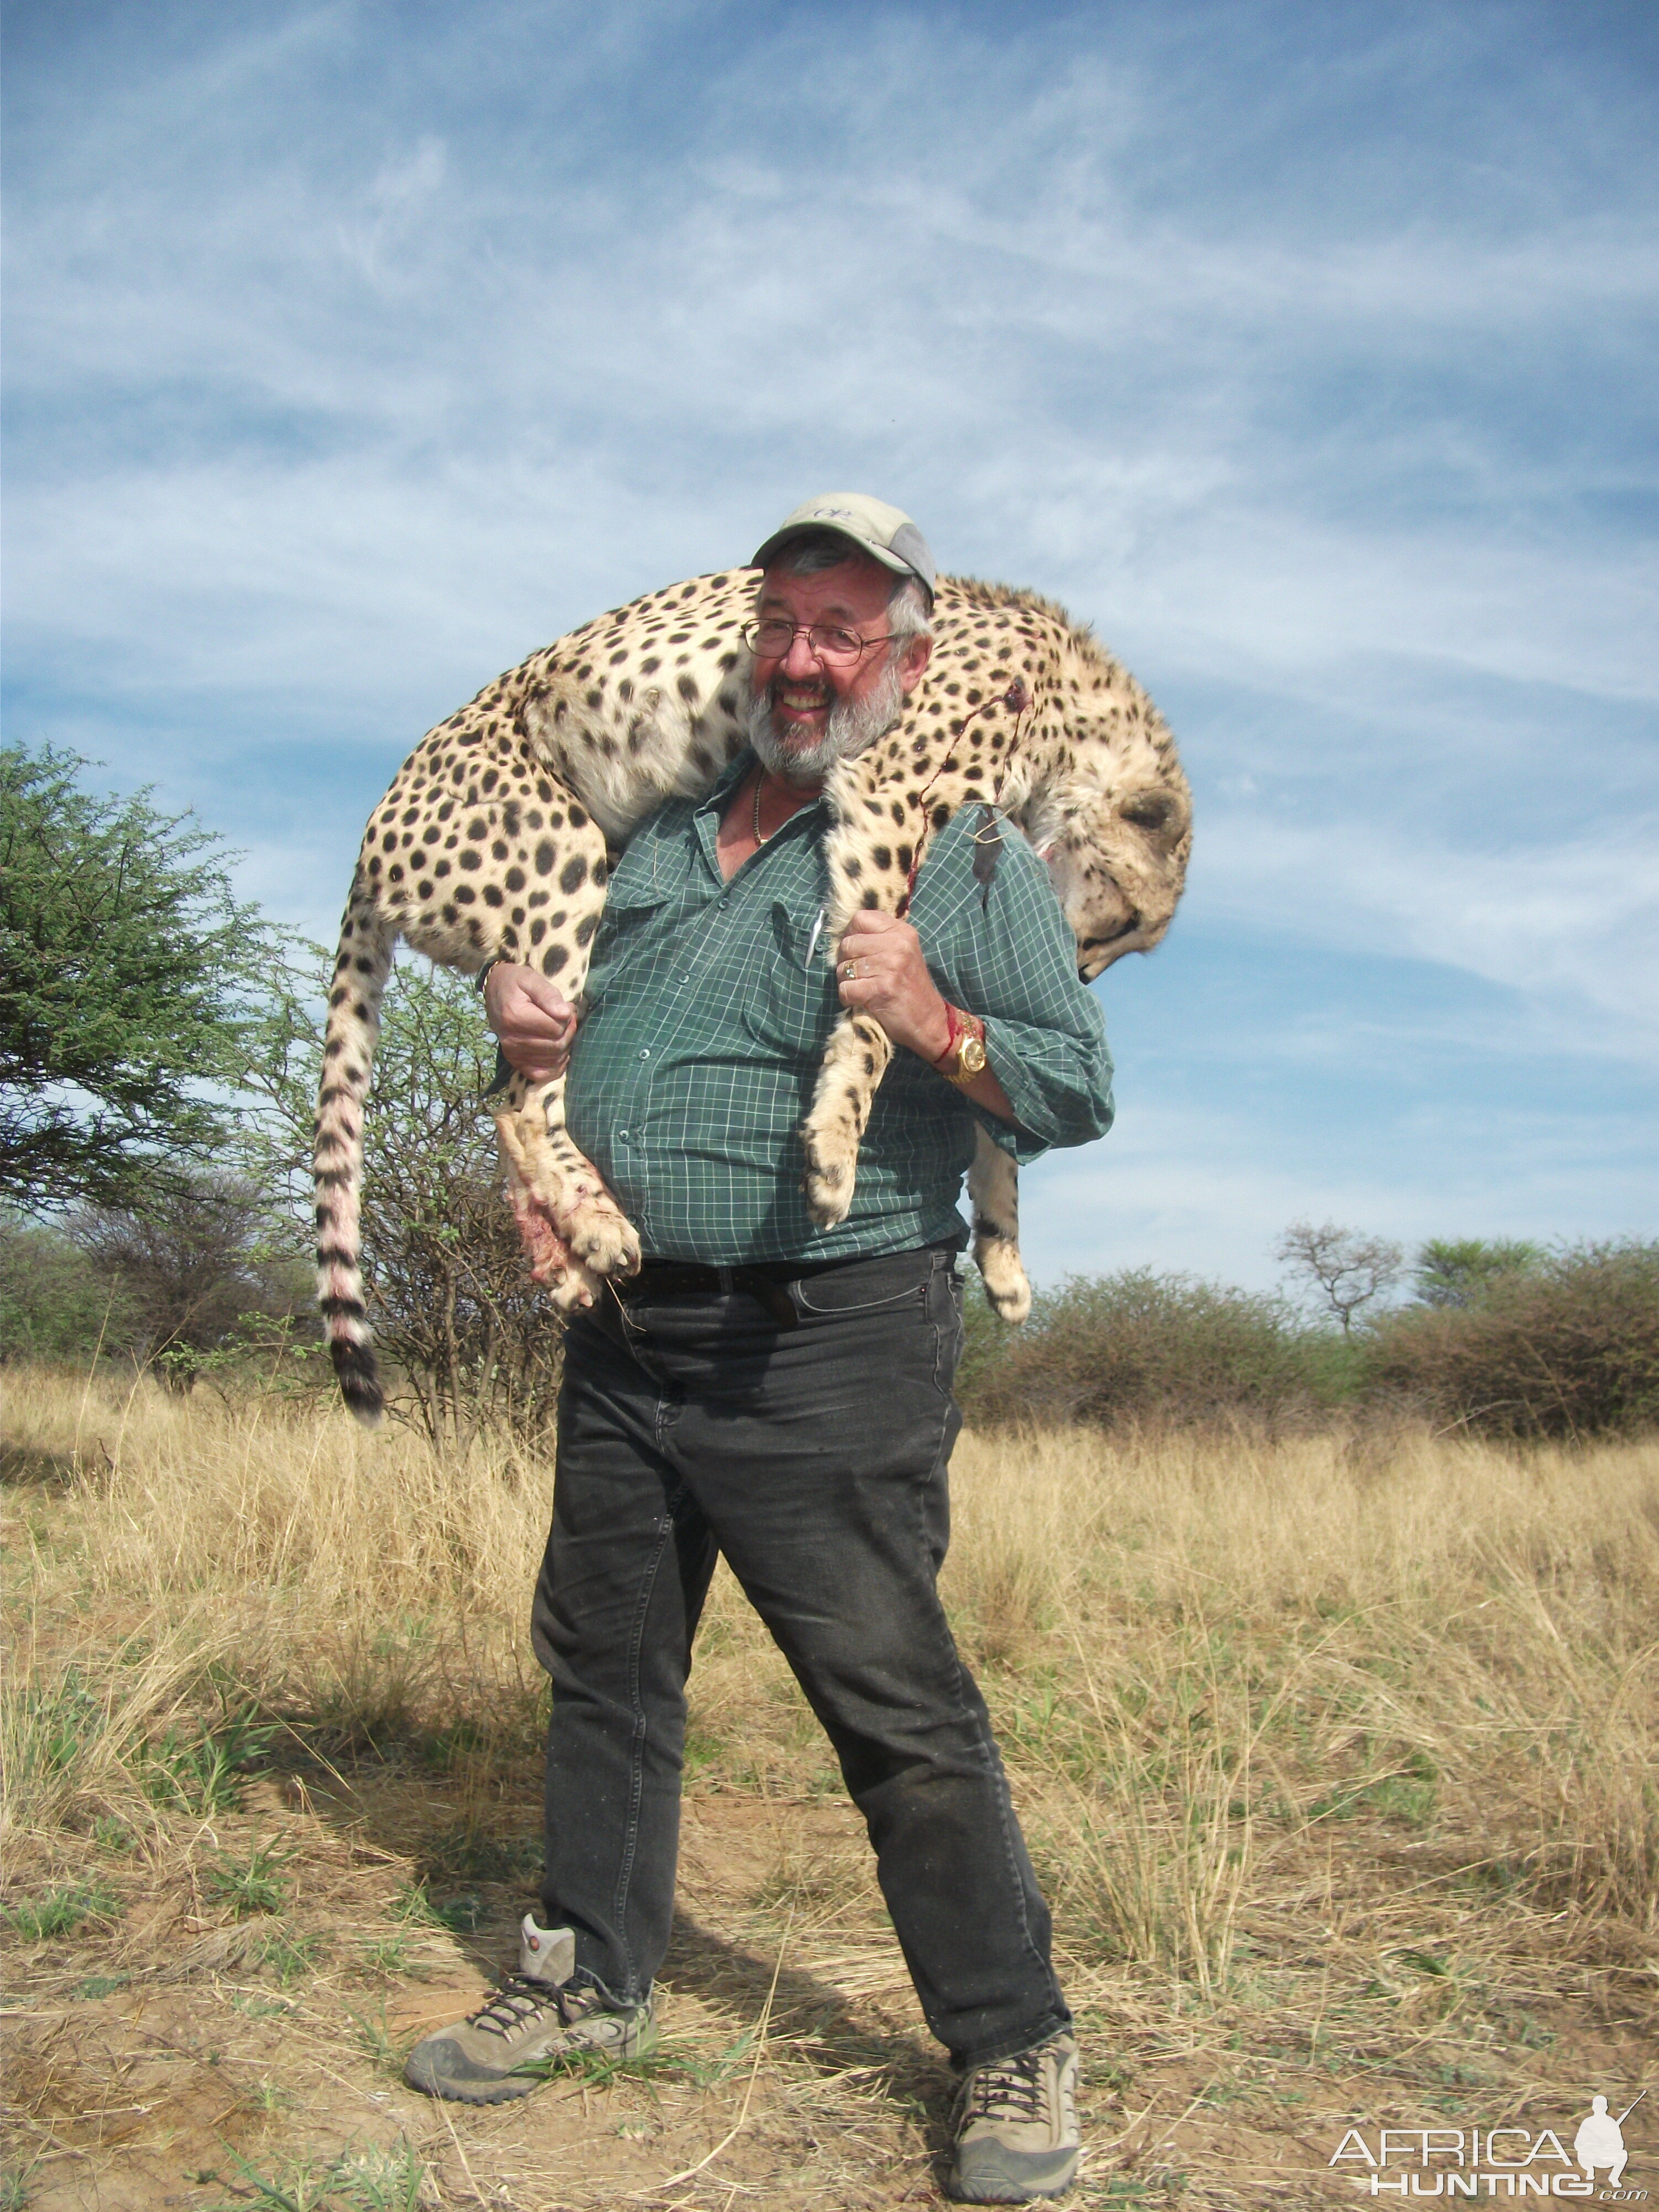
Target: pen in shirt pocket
{"x": 818, "y": 931}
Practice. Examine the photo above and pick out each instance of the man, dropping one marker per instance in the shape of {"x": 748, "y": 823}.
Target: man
{"x": 779, "y": 1393}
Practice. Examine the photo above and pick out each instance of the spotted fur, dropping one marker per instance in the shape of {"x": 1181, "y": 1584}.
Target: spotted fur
{"x": 500, "y": 829}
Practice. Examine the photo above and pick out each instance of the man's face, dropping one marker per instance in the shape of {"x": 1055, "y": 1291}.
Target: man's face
{"x": 808, "y": 713}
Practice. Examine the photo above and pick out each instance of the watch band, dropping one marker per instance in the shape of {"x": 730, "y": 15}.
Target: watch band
{"x": 964, "y": 1058}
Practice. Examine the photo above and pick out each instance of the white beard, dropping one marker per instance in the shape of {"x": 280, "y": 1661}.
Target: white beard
{"x": 854, "y": 725}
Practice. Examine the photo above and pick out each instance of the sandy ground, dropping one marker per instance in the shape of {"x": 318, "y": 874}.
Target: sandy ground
{"x": 184, "y": 2057}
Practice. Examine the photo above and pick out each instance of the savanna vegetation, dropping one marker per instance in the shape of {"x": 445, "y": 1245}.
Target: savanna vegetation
{"x": 1562, "y": 1343}
{"x": 1336, "y": 1748}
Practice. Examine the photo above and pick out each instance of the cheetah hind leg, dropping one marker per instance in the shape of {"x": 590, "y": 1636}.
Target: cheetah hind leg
{"x": 994, "y": 1187}
{"x": 575, "y": 1233}
{"x": 855, "y": 1059}
{"x": 550, "y": 1259}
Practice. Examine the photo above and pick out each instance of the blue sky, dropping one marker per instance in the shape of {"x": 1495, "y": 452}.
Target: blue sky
{"x": 355, "y": 351}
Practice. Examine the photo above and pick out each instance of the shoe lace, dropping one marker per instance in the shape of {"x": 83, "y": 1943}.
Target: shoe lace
{"x": 514, "y": 2002}
{"x": 1010, "y": 2089}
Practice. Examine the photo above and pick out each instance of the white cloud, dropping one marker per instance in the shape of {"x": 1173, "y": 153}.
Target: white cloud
{"x": 1573, "y": 926}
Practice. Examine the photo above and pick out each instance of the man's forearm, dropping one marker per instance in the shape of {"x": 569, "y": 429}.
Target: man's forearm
{"x": 985, "y": 1090}
{"x": 936, "y": 1033}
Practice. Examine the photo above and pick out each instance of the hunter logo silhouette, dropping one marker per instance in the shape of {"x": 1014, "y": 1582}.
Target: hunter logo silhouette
{"x": 1600, "y": 2141}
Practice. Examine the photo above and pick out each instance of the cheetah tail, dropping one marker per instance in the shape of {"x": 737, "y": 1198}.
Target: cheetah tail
{"x": 354, "y": 1024}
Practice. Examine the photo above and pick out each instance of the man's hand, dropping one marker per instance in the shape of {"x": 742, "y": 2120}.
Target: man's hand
{"x": 534, "y": 1021}
{"x": 889, "y": 979}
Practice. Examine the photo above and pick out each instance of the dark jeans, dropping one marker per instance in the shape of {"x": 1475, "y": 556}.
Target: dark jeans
{"x": 815, "y": 1459}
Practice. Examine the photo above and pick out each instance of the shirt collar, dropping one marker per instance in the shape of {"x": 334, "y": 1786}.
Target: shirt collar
{"x": 706, "y": 819}
{"x": 728, "y": 781}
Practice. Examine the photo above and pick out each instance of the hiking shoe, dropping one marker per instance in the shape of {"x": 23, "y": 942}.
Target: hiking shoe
{"x": 527, "y": 2026}
{"x": 1016, "y": 2127}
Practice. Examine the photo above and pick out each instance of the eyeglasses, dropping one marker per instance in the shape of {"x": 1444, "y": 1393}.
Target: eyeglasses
{"x": 831, "y": 646}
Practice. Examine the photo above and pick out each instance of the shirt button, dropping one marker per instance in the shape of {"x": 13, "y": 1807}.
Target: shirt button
{"x": 623, "y": 1137}
{"x": 645, "y": 1052}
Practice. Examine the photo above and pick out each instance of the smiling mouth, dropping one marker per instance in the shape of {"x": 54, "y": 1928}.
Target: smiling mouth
{"x": 801, "y": 699}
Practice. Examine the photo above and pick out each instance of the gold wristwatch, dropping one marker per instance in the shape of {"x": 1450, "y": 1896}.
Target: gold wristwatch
{"x": 963, "y": 1058}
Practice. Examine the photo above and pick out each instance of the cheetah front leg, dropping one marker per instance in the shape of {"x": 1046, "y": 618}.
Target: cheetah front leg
{"x": 859, "y": 1051}
{"x": 858, "y": 1054}
{"x": 856, "y": 1058}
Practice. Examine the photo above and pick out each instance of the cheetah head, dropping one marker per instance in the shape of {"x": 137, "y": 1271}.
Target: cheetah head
{"x": 1115, "y": 825}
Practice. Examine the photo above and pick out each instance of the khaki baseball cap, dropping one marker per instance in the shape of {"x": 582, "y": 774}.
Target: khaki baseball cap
{"x": 885, "y": 533}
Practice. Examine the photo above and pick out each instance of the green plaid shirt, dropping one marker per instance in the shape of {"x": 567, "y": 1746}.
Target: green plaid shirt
{"x": 709, "y": 1005}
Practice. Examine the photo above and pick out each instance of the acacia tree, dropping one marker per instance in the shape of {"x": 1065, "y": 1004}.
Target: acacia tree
{"x": 124, "y": 966}
{"x": 452, "y": 1306}
{"x": 1343, "y": 1268}
{"x": 1462, "y": 1271}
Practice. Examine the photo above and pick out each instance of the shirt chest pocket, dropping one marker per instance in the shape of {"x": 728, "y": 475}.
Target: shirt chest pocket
{"x": 790, "y": 1004}
{"x": 628, "y": 918}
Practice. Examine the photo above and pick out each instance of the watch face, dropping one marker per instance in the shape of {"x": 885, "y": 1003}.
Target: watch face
{"x": 970, "y": 1056}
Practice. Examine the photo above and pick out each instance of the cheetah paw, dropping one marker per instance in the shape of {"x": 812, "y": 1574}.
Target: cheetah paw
{"x": 831, "y": 1170}
{"x": 601, "y": 1237}
{"x": 546, "y": 1253}
{"x": 1007, "y": 1288}
{"x": 570, "y": 1284}
{"x": 575, "y": 1289}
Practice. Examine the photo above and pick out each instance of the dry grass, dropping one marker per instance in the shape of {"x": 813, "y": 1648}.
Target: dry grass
{"x": 1337, "y": 1755}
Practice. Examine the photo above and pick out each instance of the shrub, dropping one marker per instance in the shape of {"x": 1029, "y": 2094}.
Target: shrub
{"x": 55, "y": 1303}
{"x": 454, "y": 1312}
{"x": 1141, "y": 1345}
{"x": 192, "y": 1272}
{"x": 1567, "y": 1347}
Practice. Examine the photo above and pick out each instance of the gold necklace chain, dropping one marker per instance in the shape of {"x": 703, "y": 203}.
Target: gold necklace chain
{"x": 759, "y": 782}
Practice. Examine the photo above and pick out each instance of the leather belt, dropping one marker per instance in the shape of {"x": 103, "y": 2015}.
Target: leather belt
{"x": 766, "y": 1281}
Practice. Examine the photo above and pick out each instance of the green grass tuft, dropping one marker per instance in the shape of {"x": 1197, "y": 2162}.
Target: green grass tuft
{"x": 60, "y": 1911}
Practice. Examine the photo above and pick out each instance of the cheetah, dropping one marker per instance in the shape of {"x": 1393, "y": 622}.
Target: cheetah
{"x": 499, "y": 830}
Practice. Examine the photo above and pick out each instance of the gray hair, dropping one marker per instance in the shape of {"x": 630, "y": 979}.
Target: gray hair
{"x": 909, "y": 610}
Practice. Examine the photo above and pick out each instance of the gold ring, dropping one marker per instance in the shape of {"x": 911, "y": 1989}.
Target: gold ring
{"x": 850, "y": 971}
